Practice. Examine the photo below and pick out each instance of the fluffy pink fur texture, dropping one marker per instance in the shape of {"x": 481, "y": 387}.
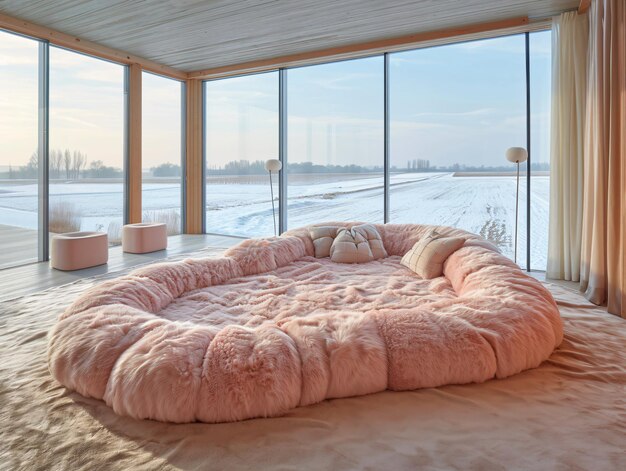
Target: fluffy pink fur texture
{"x": 268, "y": 327}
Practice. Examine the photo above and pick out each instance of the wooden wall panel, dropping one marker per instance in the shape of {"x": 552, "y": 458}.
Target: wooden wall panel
{"x": 134, "y": 143}
{"x": 194, "y": 163}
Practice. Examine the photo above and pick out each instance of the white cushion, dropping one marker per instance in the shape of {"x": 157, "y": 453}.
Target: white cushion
{"x": 350, "y": 246}
{"x": 357, "y": 245}
{"x": 427, "y": 256}
{"x": 373, "y": 239}
{"x": 323, "y": 237}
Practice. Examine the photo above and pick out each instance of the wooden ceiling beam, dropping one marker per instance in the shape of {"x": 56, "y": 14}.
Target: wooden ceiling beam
{"x": 584, "y": 6}
{"x": 58, "y": 38}
{"x": 360, "y": 49}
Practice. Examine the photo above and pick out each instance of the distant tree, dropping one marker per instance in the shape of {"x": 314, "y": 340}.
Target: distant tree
{"x": 67, "y": 161}
{"x": 166, "y": 170}
{"x": 97, "y": 169}
{"x": 31, "y": 169}
{"x": 56, "y": 163}
{"x": 78, "y": 162}
{"x": 244, "y": 167}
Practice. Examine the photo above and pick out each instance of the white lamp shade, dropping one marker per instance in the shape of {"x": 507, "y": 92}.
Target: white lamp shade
{"x": 516, "y": 155}
{"x": 273, "y": 165}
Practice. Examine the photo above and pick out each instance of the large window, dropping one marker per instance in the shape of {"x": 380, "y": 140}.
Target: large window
{"x": 161, "y": 151}
{"x": 454, "y": 111}
{"x": 19, "y": 160}
{"x": 86, "y": 144}
{"x": 540, "y": 88}
{"x": 336, "y": 142}
{"x": 241, "y": 134}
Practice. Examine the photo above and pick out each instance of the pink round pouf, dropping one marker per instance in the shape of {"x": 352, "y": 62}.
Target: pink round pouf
{"x": 78, "y": 250}
{"x": 144, "y": 237}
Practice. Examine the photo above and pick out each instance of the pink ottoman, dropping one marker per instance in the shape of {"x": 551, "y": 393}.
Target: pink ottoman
{"x": 76, "y": 250}
{"x": 144, "y": 237}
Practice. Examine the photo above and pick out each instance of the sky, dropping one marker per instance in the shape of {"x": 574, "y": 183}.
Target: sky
{"x": 462, "y": 103}
{"x": 86, "y": 107}
{"x": 18, "y": 99}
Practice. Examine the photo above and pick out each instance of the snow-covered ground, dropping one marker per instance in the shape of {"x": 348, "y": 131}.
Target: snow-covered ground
{"x": 480, "y": 204}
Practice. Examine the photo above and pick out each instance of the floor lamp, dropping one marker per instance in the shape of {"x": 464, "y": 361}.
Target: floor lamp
{"x": 517, "y": 155}
{"x": 273, "y": 165}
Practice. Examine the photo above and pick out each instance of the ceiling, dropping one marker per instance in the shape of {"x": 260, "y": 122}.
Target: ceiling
{"x": 199, "y": 34}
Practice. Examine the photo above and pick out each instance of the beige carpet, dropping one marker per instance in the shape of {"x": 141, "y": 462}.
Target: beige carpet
{"x": 568, "y": 414}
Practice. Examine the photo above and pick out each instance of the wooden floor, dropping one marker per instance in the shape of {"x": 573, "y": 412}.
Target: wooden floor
{"x": 18, "y": 245}
{"x": 35, "y": 277}
{"x": 570, "y": 285}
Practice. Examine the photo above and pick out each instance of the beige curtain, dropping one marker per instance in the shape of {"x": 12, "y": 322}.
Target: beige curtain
{"x": 603, "y": 252}
{"x": 570, "y": 38}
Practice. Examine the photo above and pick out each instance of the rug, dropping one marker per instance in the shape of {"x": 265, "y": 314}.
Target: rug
{"x": 570, "y": 413}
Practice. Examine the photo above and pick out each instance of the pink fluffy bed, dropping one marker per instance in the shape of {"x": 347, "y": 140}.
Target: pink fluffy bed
{"x": 268, "y": 327}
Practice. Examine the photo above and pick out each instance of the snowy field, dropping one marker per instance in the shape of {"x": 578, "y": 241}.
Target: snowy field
{"x": 481, "y": 204}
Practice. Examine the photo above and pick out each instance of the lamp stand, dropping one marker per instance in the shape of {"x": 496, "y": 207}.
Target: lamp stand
{"x": 516, "y": 155}
{"x": 516, "y": 210}
{"x": 273, "y": 207}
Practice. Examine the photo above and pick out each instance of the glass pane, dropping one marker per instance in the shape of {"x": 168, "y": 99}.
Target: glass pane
{"x": 19, "y": 164}
{"x": 161, "y": 151}
{"x": 454, "y": 112}
{"x": 241, "y": 134}
{"x": 540, "y": 96}
{"x": 336, "y": 142}
{"x": 86, "y": 144}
